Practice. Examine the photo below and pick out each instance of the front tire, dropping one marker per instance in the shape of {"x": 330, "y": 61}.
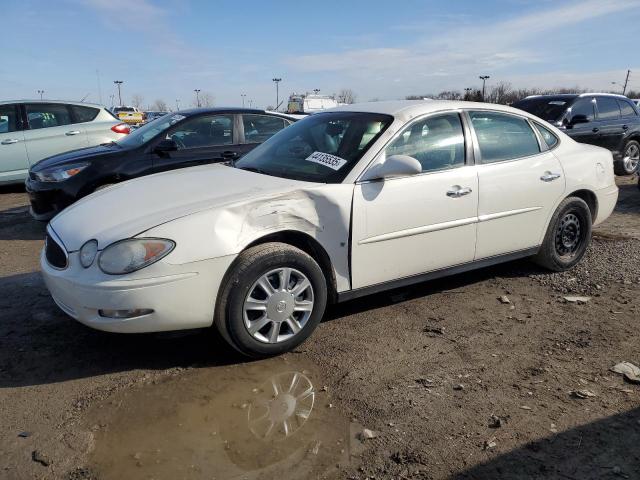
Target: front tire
{"x": 630, "y": 161}
{"x": 271, "y": 300}
{"x": 568, "y": 236}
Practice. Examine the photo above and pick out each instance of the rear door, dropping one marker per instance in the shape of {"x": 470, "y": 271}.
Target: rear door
{"x": 255, "y": 129}
{"x": 51, "y": 130}
{"x": 96, "y": 128}
{"x": 14, "y": 164}
{"x": 610, "y": 123}
{"x": 202, "y": 139}
{"x": 520, "y": 182}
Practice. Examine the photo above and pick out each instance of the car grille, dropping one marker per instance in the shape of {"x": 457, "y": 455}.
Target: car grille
{"x": 55, "y": 253}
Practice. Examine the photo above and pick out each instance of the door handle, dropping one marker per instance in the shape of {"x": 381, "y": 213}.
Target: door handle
{"x": 549, "y": 177}
{"x": 457, "y": 191}
{"x": 595, "y": 130}
{"x": 72, "y": 132}
{"x": 10, "y": 141}
{"x": 625, "y": 127}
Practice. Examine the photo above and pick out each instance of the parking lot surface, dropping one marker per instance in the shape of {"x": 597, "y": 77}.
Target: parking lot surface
{"x": 485, "y": 375}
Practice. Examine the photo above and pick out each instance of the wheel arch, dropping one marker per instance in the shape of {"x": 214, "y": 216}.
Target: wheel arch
{"x": 590, "y": 199}
{"x": 310, "y": 246}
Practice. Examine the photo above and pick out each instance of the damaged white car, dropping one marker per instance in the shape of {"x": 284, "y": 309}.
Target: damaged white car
{"x": 344, "y": 203}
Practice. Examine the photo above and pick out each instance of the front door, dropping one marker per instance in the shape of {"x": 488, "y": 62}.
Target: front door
{"x": 14, "y": 164}
{"x": 411, "y": 225}
{"x": 200, "y": 140}
{"x": 520, "y": 182}
{"x": 582, "y": 126}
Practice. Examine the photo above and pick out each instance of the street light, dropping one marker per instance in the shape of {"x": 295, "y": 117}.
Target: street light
{"x": 243, "y": 95}
{"x": 177, "y": 104}
{"x": 118, "y": 83}
{"x": 277, "y": 81}
{"x": 316, "y": 91}
{"x": 40, "y": 92}
{"x": 484, "y": 79}
{"x": 197, "y": 90}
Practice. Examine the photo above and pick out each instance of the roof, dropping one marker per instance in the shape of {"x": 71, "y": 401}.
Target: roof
{"x": 37, "y": 100}
{"x": 574, "y": 95}
{"x": 195, "y": 111}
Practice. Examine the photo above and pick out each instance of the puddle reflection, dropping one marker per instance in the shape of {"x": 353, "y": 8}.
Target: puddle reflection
{"x": 266, "y": 419}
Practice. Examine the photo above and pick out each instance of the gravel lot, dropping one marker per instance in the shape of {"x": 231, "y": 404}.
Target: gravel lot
{"x": 442, "y": 380}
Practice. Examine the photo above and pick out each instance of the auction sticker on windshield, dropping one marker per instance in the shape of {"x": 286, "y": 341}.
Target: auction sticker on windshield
{"x": 326, "y": 159}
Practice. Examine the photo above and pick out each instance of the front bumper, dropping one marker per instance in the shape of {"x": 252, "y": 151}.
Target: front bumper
{"x": 181, "y": 296}
{"x": 47, "y": 199}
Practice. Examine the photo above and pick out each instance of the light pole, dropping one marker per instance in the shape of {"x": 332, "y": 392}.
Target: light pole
{"x": 484, "y": 79}
{"x": 177, "y": 104}
{"x": 111, "y": 97}
{"x": 467, "y": 94}
{"x": 277, "y": 81}
{"x": 250, "y": 103}
{"x": 40, "y": 92}
{"x": 118, "y": 83}
{"x": 316, "y": 91}
{"x": 243, "y": 95}
{"x": 197, "y": 90}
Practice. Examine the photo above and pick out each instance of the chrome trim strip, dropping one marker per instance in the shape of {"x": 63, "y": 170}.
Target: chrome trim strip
{"x": 508, "y": 213}
{"x": 436, "y": 227}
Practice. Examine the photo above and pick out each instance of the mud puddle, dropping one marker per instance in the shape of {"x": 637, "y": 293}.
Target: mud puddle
{"x": 266, "y": 419}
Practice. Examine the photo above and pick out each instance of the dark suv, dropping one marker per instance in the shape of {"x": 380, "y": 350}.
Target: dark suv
{"x": 602, "y": 119}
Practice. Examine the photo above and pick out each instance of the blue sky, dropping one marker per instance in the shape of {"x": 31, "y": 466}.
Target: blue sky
{"x": 379, "y": 49}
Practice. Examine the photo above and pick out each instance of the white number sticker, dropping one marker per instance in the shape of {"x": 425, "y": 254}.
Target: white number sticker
{"x": 326, "y": 159}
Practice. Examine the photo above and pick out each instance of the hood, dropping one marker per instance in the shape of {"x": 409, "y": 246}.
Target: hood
{"x": 132, "y": 207}
{"x": 74, "y": 156}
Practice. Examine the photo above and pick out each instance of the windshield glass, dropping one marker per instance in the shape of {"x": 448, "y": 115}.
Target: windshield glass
{"x": 549, "y": 109}
{"x": 148, "y": 131}
{"x": 321, "y": 148}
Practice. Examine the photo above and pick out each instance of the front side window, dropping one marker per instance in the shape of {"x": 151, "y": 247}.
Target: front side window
{"x": 583, "y": 110}
{"x": 40, "y": 115}
{"x": 436, "y": 142}
{"x": 503, "y": 137}
{"x": 257, "y": 128}
{"x": 203, "y": 131}
{"x": 323, "y": 147}
{"x": 84, "y": 114}
{"x": 9, "y": 121}
{"x": 607, "y": 108}
{"x": 549, "y": 138}
{"x": 626, "y": 109}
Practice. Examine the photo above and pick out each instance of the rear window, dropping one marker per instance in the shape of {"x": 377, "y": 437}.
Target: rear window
{"x": 549, "y": 138}
{"x": 84, "y": 114}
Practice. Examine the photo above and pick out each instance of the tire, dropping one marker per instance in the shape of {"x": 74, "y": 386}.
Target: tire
{"x": 554, "y": 254}
{"x": 630, "y": 161}
{"x": 243, "y": 280}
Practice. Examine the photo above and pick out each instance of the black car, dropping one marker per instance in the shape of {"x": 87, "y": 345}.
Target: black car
{"x": 176, "y": 140}
{"x": 606, "y": 120}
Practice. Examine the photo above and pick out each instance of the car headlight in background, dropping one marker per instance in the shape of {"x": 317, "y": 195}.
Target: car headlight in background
{"x": 88, "y": 253}
{"x": 60, "y": 174}
{"x": 127, "y": 256}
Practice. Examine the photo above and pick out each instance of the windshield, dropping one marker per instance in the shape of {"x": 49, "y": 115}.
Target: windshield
{"x": 547, "y": 109}
{"x": 148, "y": 131}
{"x": 321, "y": 148}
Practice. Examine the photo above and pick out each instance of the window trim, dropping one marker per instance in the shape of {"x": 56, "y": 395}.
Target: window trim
{"x": 476, "y": 143}
{"x": 469, "y": 154}
{"x": 543, "y": 143}
{"x": 242, "y": 139}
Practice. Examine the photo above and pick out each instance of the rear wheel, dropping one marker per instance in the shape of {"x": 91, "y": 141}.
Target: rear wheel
{"x": 630, "y": 159}
{"x": 568, "y": 236}
{"x": 271, "y": 300}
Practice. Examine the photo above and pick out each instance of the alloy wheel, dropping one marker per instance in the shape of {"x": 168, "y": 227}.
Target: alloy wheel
{"x": 631, "y": 158}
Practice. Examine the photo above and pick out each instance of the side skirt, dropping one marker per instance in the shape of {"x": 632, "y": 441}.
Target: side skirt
{"x": 445, "y": 272}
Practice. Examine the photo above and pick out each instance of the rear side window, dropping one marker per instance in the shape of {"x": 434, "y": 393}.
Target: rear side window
{"x": 503, "y": 137}
{"x": 9, "y": 120}
{"x": 84, "y": 114}
{"x": 549, "y": 138}
{"x": 626, "y": 109}
{"x": 42, "y": 115}
{"x": 607, "y": 108}
{"x": 257, "y": 128}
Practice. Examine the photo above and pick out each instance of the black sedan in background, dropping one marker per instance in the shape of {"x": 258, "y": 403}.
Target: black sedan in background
{"x": 603, "y": 119}
{"x": 176, "y": 140}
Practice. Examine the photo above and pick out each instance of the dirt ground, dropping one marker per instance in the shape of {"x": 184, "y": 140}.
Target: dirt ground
{"x": 442, "y": 380}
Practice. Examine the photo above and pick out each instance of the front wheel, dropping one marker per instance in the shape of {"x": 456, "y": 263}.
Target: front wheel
{"x": 271, "y": 300}
{"x": 630, "y": 159}
{"x": 568, "y": 236}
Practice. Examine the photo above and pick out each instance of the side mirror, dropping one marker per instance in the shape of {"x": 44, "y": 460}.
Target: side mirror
{"x": 394, "y": 166}
{"x": 577, "y": 119}
{"x": 165, "y": 146}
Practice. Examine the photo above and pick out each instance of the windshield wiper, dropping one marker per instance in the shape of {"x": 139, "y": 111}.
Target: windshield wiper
{"x": 109, "y": 144}
{"x": 251, "y": 169}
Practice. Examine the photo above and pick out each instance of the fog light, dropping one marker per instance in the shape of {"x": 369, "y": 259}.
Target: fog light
{"x": 138, "y": 312}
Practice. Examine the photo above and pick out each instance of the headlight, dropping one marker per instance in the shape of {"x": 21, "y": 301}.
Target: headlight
{"x": 88, "y": 253}
{"x": 61, "y": 173}
{"x": 127, "y": 256}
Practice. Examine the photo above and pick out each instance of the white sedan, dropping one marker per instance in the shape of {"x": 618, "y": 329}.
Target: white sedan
{"x": 344, "y": 203}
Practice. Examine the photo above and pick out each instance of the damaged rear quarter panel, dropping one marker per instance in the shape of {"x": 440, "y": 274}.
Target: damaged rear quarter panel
{"x": 322, "y": 212}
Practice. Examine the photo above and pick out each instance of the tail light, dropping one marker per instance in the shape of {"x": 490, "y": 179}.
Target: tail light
{"x": 121, "y": 128}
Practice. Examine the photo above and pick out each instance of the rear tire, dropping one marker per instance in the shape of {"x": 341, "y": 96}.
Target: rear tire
{"x": 568, "y": 236}
{"x": 271, "y": 300}
{"x": 630, "y": 161}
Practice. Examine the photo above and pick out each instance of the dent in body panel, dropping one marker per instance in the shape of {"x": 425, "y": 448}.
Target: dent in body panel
{"x": 321, "y": 212}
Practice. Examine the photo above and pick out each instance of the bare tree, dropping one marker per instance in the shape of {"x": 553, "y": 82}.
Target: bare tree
{"x": 206, "y": 100}
{"x": 160, "y": 106}
{"x": 347, "y": 96}
{"x": 137, "y": 100}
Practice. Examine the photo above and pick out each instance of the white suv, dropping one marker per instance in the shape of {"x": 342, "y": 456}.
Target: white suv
{"x": 31, "y": 130}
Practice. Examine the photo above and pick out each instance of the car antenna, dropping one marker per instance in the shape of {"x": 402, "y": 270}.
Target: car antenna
{"x": 85, "y": 97}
